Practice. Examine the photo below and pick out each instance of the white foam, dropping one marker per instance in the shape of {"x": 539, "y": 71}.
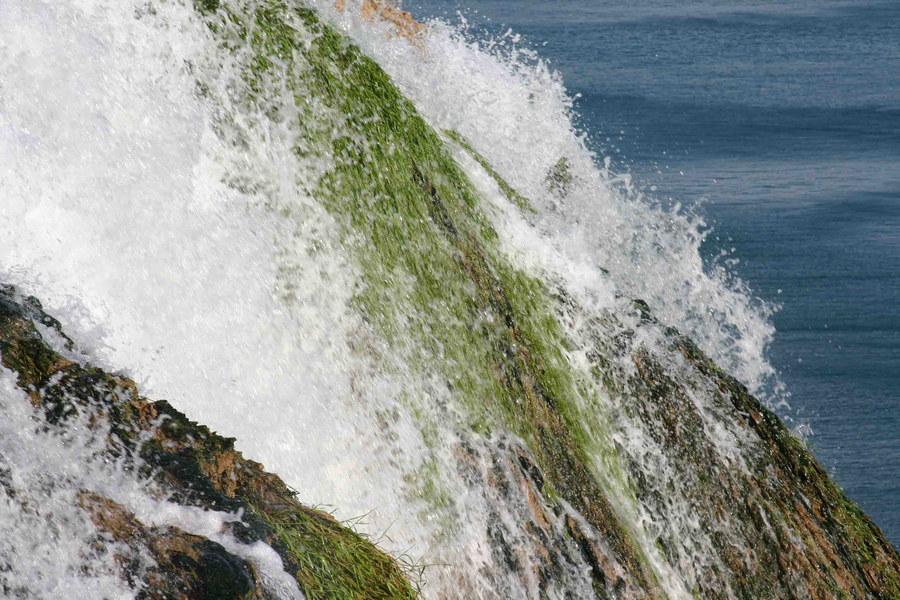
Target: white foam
{"x": 212, "y": 526}
{"x": 115, "y": 214}
{"x": 603, "y": 242}
{"x": 201, "y": 268}
{"x": 47, "y": 543}
{"x": 515, "y": 111}
{"x": 194, "y": 264}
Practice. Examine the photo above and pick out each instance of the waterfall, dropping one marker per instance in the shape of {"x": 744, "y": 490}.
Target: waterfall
{"x": 378, "y": 293}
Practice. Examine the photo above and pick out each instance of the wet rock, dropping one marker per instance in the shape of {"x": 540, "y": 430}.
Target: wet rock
{"x": 403, "y": 22}
{"x": 191, "y": 466}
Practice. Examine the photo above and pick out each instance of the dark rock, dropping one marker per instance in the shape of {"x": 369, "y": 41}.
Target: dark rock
{"x": 195, "y": 467}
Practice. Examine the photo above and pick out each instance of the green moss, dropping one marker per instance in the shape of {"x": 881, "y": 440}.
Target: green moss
{"x": 331, "y": 562}
{"x": 437, "y": 286}
{"x": 559, "y": 179}
{"x": 206, "y": 6}
{"x": 511, "y": 194}
{"x": 440, "y": 289}
{"x": 863, "y": 548}
{"x": 201, "y": 469}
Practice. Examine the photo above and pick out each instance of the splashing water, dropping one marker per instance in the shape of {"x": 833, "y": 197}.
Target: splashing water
{"x": 50, "y": 545}
{"x": 515, "y": 111}
{"x": 157, "y": 205}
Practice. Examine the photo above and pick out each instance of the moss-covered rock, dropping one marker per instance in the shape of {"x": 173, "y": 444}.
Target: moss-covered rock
{"x": 441, "y": 289}
{"x": 717, "y": 494}
{"x": 437, "y": 282}
{"x": 193, "y": 467}
{"x": 777, "y": 526}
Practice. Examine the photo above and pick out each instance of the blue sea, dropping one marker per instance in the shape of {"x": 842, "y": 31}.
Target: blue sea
{"x": 781, "y": 120}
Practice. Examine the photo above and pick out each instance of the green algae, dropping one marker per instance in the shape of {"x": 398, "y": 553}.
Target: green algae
{"x": 438, "y": 288}
{"x": 332, "y": 562}
{"x": 199, "y": 468}
{"x": 441, "y": 291}
{"x": 559, "y": 179}
{"x": 511, "y": 194}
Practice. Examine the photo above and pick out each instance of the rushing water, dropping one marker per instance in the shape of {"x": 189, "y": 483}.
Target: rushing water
{"x": 174, "y": 235}
{"x": 784, "y": 119}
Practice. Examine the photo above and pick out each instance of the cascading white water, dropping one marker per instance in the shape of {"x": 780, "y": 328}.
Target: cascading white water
{"x": 200, "y": 267}
{"x": 516, "y": 112}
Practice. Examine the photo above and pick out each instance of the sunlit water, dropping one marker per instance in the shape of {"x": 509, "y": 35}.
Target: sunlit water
{"x": 784, "y": 119}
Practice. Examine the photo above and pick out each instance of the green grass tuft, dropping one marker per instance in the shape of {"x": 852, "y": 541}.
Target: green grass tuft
{"x": 332, "y": 562}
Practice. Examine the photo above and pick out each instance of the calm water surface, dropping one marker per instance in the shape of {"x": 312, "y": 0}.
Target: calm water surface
{"x": 784, "y": 120}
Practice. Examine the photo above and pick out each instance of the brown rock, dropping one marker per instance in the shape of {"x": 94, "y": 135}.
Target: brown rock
{"x": 403, "y": 22}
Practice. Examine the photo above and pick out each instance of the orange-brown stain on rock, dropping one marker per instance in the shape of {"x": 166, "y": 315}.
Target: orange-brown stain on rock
{"x": 403, "y": 22}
